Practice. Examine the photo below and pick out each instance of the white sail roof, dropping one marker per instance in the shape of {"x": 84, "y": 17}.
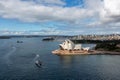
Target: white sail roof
{"x": 69, "y": 45}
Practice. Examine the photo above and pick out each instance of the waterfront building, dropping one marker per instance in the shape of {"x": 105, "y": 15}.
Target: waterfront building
{"x": 69, "y": 45}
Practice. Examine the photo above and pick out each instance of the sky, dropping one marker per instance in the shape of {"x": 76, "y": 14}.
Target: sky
{"x": 59, "y": 17}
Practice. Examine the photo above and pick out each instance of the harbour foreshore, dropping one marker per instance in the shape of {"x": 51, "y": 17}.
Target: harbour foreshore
{"x": 82, "y": 52}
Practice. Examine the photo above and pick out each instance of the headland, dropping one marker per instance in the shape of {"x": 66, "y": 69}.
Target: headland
{"x": 68, "y": 47}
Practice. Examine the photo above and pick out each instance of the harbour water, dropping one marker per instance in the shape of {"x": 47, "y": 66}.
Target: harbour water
{"x": 17, "y": 62}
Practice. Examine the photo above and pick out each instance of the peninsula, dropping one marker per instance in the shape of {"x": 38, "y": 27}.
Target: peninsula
{"x": 70, "y": 48}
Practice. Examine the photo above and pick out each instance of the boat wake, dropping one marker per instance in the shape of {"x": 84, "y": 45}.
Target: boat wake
{"x": 7, "y": 56}
{"x": 36, "y": 57}
{"x": 3, "y": 44}
{"x": 37, "y": 62}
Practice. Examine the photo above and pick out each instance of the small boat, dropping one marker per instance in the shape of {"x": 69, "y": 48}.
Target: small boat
{"x": 19, "y": 41}
{"x": 38, "y": 63}
{"x": 48, "y": 39}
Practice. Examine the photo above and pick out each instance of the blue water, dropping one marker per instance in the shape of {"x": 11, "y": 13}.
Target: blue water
{"x": 17, "y": 62}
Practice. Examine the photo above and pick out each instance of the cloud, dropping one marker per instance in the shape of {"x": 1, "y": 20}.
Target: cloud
{"x": 93, "y": 4}
{"x": 96, "y": 13}
{"x": 107, "y": 13}
{"x": 111, "y": 11}
{"x": 51, "y": 2}
{"x": 29, "y": 11}
{"x": 41, "y": 32}
{"x": 12, "y": 32}
{"x": 48, "y": 2}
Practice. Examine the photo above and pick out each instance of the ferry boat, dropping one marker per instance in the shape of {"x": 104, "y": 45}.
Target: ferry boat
{"x": 70, "y": 48}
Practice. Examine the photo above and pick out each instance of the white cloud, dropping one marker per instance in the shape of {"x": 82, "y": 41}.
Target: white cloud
{"x": 11, "y": 32}
{"x": 32, "y": 12}
{"x": 111, "y": 11}
{"x": 51, "y": 2}
{"x": 95, "y": 13}
{"x": 41, "y": 32}
{"x": 108, "y": 13}
{"x": 93, "y": 4}
{"x": 29, "y": 11}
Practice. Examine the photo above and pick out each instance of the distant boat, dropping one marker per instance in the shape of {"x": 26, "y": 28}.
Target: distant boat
{"x": 19, "y": 41}
{"x": 48, "y": 39}
{"x": 38, "y": 63}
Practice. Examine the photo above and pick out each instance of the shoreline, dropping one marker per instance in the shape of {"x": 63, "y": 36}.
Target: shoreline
{"x": 81, "y": 52}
